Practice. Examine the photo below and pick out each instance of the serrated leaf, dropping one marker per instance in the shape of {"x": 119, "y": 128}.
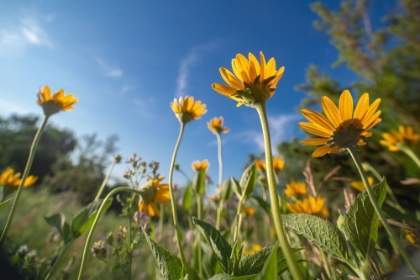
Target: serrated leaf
{"x": 58, "y": 221}
{"x": 249, "y": 179}
{"x": 236, "y": 187}
{"x": 360, "y": 225}
{"x": 199, "y": 185}
{"x": 170, "y": 266}
{"x": 230, "y": 277}
{"x": 322, "y": 232}
{"x": 83, "y": 220}
{"x": 263, "y": 204}
{"x": 270, "y": 270}
{"x": 218, "y": 244}
{"x": 188, "y": 198}
{"x": 5, "y": 203}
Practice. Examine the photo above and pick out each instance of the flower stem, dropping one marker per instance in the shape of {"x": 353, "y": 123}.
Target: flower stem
{"x": 222, "y": 199}
{"x": 25, "y": 174}
{"x": 238, "y": 218}
{"x": 378, "y": 210}
{"x": 101, "y": 189}
{"x": 284, "y": 243}
{"x": 199, "y": 216}
{"x": 95, "y": 222}
{"x": 173, "y": 205}
{"x": 411, "y": 154}
{"x": 58, "y": 261}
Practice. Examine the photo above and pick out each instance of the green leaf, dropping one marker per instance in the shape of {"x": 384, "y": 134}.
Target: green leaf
{"x": 83, "y": 220}
{"x": 188, "y": 198}
{"x": 263, "y": 204}
{"x": 249, "y": 179}
{"x": 170, "y": 266}
{"x": 236, "y": 187}
{"x": 218, "y": 244}
{"x": 59, "y": 222}
{"x": 5, "y": 203}
{"x": 226, "y": 191}
{"x": 360, "y": 224}
{"x": 270, "y": 270}
{"x": 199, "y": 185}
{"x": 322, "y": 232}
{"x": 230, "y": 277}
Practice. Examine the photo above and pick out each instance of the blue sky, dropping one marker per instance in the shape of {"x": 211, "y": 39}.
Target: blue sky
{"x": 127, "y": 60}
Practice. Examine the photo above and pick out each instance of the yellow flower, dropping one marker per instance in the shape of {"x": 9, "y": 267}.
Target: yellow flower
{"x": 216, "y": 126}
{"x": 278, "y": 164}
{"x": 260, "y": 164}
{"x": 56, "y": 103}
{"x": 253, "y": 82}
{"x": 295, "y": 188}
{"x": 254, "y": 248}
{"x": 9, "y": 179}
{"x": 214, "y": 198}
{"x": 411, "y": 237}
{"x": 341, "y": 128}
{"x": 310, "y": 205}
{"x": 360, "y": 186}
{"x": 187, "y": 110}
{"x": 405, "y": 135}
{"x": 248, "y": 210}
{"x": 197, "y": 165}
{"x": 153, "y": 192}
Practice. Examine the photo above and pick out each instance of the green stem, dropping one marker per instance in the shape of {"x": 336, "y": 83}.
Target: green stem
{"x": 378, "y": 210}
{"x": 173, "y": 204}
{"x": 275, "y": 209}
{"x": 95, "y": 222}
{"x": 326, "y": 264}
{"x": 411, "y": 154}
{"x": 199, "y": 216}
{"x": 101, "y": 189}
{"x": 58, "y": 261}
{"x": 222, "y": 200}
{"x": 238, "y": 218}
{"x": 25, "y": 175}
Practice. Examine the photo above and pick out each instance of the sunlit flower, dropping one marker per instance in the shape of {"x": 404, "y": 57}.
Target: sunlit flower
{"x": 260, "y": 164}
{"x": 360, "y": 186}
{"x": 310, "y": 205}
{"x": 56, "y": 103}
{"x": 254, "y": 248}
{"x": 187, "y": 110}
{"x": 197, "y": 165}
{"x": 9, "y": 179}
{"x": 295, "y": 189}
{"x": 153, "y": 192}
{"x": 248, "y": 210}
{"x": 216, "y": 126}
{"x": 253, "y": 82}
{"x": 395, "y": 139}
{"x": 214, "y": 198}
{"x": 341, "y": 128}
{"x": 278, "y": 164}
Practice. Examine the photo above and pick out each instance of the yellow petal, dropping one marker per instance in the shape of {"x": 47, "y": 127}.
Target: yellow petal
{"x": 371, "y": 111}
{"x": 225, "y": 90}
{"x": 314, "y": 141}
{"x": 262, "y": 67}
{"x": 317, "y": 119}
{"x": 315, "y": 129}
{"x": 361, "y": 107}
{"x": 346, "y": 106}
{"x": 321, "y": 151}
{"x": 230, "y": 79}
{"x": 331, "y": 111}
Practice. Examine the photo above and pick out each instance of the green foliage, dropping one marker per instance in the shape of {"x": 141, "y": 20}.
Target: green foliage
{"x": 263, "y": 204}
{"x": 270, "y": 270}
{"x": 3, "y": 204}
{"x": 360, "y": 224}
{"x": 219, "y": 245}
{"x": 170, "y": 266}
{"x": 188, "y": 198}
{"x": 322, "y": 232}
{"x": 230, "y": 277}
{"x": 248, "y": 180}
{"x": 199, "y": 185}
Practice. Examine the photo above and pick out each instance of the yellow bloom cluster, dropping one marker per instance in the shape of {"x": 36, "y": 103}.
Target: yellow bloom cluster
{"x": 153, "y": 192}
{"x": 295, "y": 189}
{"x": 248, "y": 210}
{"x": 197, "y": 165}
{"x": 278, "y": 164}
{"x": 310, "y": 205}
{"x": 215, "y": 125}
{"x": 360, "y": 186}
{"x": 9, "y": 179}
{"x": 404, "y": 135}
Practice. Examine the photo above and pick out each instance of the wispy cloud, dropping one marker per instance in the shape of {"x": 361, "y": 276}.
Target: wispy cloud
{"x": 281, "y": 128}
{"x": 188, "y": 62}
{"x": 107, "y": 70}
{"x": 27, "y": 31}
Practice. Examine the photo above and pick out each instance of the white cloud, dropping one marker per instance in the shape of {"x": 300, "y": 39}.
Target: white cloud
{"x": 108, "y": 70}
{"x": 188, "y": 62}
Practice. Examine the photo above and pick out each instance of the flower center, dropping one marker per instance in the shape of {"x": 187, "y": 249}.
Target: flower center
{"x": 348, "y": 134}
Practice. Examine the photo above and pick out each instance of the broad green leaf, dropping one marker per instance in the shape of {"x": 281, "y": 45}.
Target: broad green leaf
{"x": 5, "y": 203}
{"x": 360, "y": 224}
{"x": 230, "y": 277}
{"x": 218, "y": 244}
{"x": 83, "y": 220}
{"x": 170, "y": 266}
{"x": 249, "y": 179}
{"x": 236, "y": 187}
{"x": 263, "y": 204}
{"x": 199, "y": 185}
{"x": 322, "y": 232}
{"x": 59, "y": 222}
{"x": 270, "y": 270}
{"x": 188, "y": 198}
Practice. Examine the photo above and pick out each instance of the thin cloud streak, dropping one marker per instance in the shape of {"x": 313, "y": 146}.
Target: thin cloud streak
{"x": 189, "y": 61}
{"x": 107, "y": 70}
